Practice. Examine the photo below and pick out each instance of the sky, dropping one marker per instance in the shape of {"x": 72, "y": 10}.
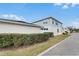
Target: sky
{"x": 67, "y": 13}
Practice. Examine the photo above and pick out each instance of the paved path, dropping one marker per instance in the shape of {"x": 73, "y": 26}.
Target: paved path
{"x": 69, "y": 47}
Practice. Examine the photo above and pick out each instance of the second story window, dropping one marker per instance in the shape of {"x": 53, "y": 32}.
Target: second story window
{"x": 52, "y": 22}
{"x": 44, "y": 22}
{"x": 57, "y": 30}
{"x": 56, "y": 23}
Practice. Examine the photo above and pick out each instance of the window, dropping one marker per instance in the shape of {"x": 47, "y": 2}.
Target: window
{"x": 42, "y": 28}
{"x": 57, "y": 30}
{"x": 56, "y": 23}
{"x": 52, "y": 22}
{"x": 45, "y": 28}
{"x": 44, "y": 22}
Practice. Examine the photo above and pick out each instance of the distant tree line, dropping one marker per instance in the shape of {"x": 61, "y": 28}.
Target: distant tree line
{"x": 72, "y": 29}
{"x": 76, "y": 30}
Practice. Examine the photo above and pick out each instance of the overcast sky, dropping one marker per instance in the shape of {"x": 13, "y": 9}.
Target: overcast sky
{"x": 67, "y": 13}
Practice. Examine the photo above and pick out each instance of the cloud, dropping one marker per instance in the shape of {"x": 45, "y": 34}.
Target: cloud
{"x": 73, "y": 5}
{"x": 12, "y": 16}
{"x": 66, "y": 5}
{"x": 57, "y": 4}
{"x": 75, "y": 23}
{"x": 5, "y": 15}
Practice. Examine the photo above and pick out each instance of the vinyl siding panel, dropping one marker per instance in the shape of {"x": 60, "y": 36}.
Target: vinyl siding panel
{"x": 13, "y": 28}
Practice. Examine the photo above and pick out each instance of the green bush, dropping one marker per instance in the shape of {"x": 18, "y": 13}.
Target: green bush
{"x": 17, "y": 40}
{"x": 50, "y": 34}
{"x": 76, "y": 30}
{"x": 65, "y": 33}
{"x": 5, "y": 40}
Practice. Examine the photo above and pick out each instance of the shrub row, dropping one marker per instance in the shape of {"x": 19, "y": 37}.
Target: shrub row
{"x": 17, "y": 40}
{"x": 65, "y": 33}
{"x": 76, "y": 30}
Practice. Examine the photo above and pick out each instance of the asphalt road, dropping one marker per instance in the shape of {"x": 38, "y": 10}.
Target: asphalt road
{"x": 69, "y": 47}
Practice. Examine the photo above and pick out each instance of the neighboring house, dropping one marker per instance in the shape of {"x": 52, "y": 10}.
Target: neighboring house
{"x": 66, "y": 29}
{"x": 50, "y": 24}
{"x": 14, "y": 26}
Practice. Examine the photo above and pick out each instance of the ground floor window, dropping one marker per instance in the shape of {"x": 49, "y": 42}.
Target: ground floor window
{"x": 44, "y": 28}
{"x": 57, "y": 30}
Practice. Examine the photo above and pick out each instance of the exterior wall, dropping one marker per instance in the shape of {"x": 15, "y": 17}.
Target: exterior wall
{"x": 66, "y": 29}
{"x": 41, "y": 22}
{"x": 51, "y": 25}
{"x": 13, "y": 28}
{"x": 53, "y": 29}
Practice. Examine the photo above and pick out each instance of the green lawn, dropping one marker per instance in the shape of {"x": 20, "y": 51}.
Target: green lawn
{"x": 34, "y": 49}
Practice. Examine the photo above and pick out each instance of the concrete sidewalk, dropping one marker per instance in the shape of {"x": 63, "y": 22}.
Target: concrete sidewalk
{"x": 69, "y": 47}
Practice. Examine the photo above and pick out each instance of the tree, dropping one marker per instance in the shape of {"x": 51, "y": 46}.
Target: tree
{"x": 71, "y": 29}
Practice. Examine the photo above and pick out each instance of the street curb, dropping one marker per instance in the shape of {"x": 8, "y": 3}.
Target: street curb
{"x": 52, "y": 47}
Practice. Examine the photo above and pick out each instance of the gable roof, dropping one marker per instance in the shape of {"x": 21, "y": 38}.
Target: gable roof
{"x": 18, "y": 22}
{"x": 46, "y": 19}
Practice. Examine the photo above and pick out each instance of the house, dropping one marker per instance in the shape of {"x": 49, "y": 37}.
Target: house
{"x": 66, "y": 29}
{"x": 16, "y": 26}
{"x": 50, "y": 24}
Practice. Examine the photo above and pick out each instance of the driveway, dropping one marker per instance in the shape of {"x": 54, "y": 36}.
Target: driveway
{"x": 69, "y": 47}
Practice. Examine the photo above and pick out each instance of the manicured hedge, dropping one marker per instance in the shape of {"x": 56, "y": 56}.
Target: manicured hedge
{"x": 17, "y": 40}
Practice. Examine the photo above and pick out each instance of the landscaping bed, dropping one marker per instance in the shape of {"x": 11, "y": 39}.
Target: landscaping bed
{"x": 34, "y": 49}
{"x": 17, "y": 40}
